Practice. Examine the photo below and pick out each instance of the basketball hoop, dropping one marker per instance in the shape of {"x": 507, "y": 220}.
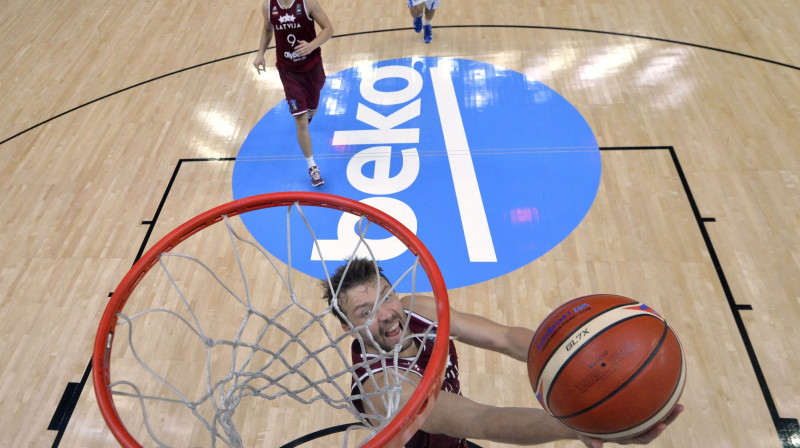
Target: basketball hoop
{"x": 166, "y": 314}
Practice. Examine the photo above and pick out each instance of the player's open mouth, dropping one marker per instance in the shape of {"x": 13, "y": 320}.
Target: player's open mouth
{"x": 393, "y": 332}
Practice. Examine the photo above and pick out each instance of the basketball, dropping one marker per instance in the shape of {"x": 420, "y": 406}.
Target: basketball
{"x": 606, "y": 366}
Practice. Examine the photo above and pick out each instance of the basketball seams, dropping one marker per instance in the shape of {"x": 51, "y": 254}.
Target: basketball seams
{"x": 662, "y": 413}
{"x": 569, "y": 304}
{"x": 543, "y": 389}
{"x": 561, "y": 355}
{"x": 552, "y": 353}
{"x": 598, "y": 391}
{"x": 633, "y": 375}
{"x": 562, "y": 366}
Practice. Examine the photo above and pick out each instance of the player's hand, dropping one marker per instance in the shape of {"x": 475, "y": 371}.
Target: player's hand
{"x": 303, "y": 48}
{"x": 641, "y": 439}
{"x": 259, "y": 64}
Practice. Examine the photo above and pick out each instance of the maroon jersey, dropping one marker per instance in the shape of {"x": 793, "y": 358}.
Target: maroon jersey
{"x": 292, "y": 25}
{"x": 416, "y": 325}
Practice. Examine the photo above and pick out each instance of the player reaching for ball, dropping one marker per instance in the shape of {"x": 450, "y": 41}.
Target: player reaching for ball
{"x": 454, "y": 418}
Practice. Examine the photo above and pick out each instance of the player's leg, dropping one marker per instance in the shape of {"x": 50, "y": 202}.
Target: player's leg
{"x": 417, "y": 10}
{"x": 304, "y": 139}
{"x": 296, "y": 90}
{"x": 314, "y": 82}
{"x": 303, "y": 136}
{"x": 430, "y": 11}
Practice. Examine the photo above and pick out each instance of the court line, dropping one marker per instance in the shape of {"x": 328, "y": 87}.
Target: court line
{"x": 788, "y": 429}
{"x": 73, "y": 391}
{"x": 389, "y": 30}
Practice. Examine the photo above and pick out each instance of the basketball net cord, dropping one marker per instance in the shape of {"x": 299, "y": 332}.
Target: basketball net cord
{"x": 251, "y": 379}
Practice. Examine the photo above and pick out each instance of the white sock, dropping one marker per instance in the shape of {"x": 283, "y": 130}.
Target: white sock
{"x": 425, "y": 21}
{"x": 310, "y": 161}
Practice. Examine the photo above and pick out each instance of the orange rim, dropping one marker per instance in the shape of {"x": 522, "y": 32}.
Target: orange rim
{"x": 408, "y": 419}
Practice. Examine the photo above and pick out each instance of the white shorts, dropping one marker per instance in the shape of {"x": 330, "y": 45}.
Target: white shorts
{"x": 429, "y": 4}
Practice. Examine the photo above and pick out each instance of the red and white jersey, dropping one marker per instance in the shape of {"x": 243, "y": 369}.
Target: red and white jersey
{"x": 291, "y": 25}
{"x": 416, "y": 325}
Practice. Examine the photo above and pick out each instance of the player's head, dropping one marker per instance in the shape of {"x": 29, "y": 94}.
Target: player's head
{"x": 360, "y": 284}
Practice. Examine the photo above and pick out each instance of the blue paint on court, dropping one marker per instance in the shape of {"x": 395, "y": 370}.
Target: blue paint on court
{"x": 535, "y": 160}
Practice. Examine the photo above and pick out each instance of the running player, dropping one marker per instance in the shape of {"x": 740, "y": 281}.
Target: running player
{"x": 422, "y": 11}
{"x": 298, "y": 59}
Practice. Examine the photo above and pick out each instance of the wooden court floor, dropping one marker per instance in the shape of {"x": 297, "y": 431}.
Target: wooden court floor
{"x": 110, "y": 107}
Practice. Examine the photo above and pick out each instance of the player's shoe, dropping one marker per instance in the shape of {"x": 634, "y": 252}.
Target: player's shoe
{"x": 418, "y": 24}
{"x": 316, "y": 179}
{"x": 427, "y": 36}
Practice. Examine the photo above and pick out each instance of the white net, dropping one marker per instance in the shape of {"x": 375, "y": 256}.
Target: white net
{"x": 223, "y": 344}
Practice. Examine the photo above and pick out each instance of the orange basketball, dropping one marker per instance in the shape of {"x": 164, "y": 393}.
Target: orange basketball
{"x": 606, "y": 366}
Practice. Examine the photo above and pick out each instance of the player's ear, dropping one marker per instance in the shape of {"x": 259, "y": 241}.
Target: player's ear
{"x": 345, "y": 328}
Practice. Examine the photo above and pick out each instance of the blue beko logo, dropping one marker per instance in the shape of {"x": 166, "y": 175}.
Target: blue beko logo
{"x": 488, "y": 168}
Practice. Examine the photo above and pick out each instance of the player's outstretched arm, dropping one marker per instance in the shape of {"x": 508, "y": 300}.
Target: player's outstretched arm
{"x": 457, "y": 416}
{"x": 266, "y": 38}
{"x": 479, "y": 331}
